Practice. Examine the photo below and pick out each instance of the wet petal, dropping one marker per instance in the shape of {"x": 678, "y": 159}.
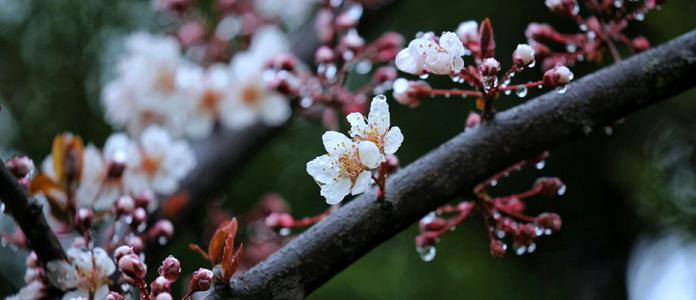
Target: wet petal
{"x": 362, "y": 183}
{"x": 323, "y": 168}
{"x": 358, "y": 127}
{"x": 335, "y": 191}
{"x": 379, "y": 114}
{"x": 336, "y": 143}
{"x": 369, "y": 154}
{"x": 393, "y": 140}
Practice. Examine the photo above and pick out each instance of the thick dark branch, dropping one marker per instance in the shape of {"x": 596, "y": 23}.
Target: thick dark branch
{"x": 467, "y": 159}
{"x": 28, "y": 214}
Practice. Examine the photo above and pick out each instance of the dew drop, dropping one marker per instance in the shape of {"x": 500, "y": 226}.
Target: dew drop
{"x": 162, "y": 240}
{"x": 494, "y": 182}
{"x": 424, "y": 76}
{"x": 639, "y": 16}
{"x": 508, "y": 92}
{"x": 521, "y": 92}
{"x": 548, "y": 231}
{"x": 562, "y": 190}
{"x": 531, "y": 248}
{"x": 562, "y": 89}
{"x": 520, "y": 250}
{"x": 539, "y": 231}
{"x": 284, "y": 231}
{"x": 447, "y": 95}
{"x": 463, "y": 96}
{"x": 540, "y": 165}
{"x": 608, "y": 130}
{"x": 591, "y": 35}
{"x": 456, "y": 78}
{"x": 571, "y": 48}
{"x": 618, "y": 3}
{"x": 141, "y": 227}
{"x": 500, "y": 234}
{"x": 426, "y": 253}
{"x": 363, "y": 67}
{"x": 125, "y": 287}
{"x": 583, "y": 27}
{"x": 306, "y": 102}
{"x": 541, "y": 86}
{"x": 532, "y": 64}
{"x": 453, "y": 228}
{"x": 129, "y": 219}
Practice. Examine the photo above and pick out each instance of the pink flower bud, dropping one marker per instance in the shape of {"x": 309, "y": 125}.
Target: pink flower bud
{"x": 83, "y": 218}
{"x": 139, "y": 216}
{"x": 640, "y": 44}
{"x": 170, "y": 268}
{"x": 473, "y": 120}
{"x": 411, "y": 93}
{"x": 324, "y": 55}
{"x": 550, "y": 220}
{"x": 20, "y": 166}
{"x": 132, "y": 267}
{"x": 497, "y": 248}
{"x": 121, "y": 252}
{"x": 160, "y": 285}
{"x": 558, "y": 76}
{"x": 114, "y": 296}
{"x": 523, "y": 55}
{"x": 385, "y": 74}
{"x": 548, "y": 186}
{"x": 279, "y": 220}
{"x": 125, "y": 205}
{"x": 468, "y": 32}
{"x": 163, "y": 228}
{"x": 539, "y": 31}
{"x": 489, "y": 67}
{"x": 136, "y": 243}
{"x": 202, "y": 280}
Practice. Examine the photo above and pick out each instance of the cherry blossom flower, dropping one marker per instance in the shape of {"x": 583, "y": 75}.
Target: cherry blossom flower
{"x": 33, "y": 290}
{"x": 162, "y": 162}
{"x": 146, "y": 88}
{"x": 424, "y": 54}
{"x": 346, "y": 169}
{"x": 468, "y": 31}
{"x": 523, "y": 55}
{"x": 251, "y": 99}
{"x": 85, "y": 274}
{"x": 291, "y": 12}
{"x": 207, "y": 87}
{"x": 376, "y": 129}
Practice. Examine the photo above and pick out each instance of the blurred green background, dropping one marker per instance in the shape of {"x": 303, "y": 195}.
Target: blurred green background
{"x": 56, "y": 54}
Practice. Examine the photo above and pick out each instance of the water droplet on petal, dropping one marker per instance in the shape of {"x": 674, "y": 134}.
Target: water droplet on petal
{"x": 521, "y": 92}
{"x": 532, "y": 64}
{"x": 424, "y": 76}
{"x": 426, "y": 253}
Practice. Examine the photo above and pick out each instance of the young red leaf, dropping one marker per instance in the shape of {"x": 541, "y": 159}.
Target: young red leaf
{"x": 487, "y": 42}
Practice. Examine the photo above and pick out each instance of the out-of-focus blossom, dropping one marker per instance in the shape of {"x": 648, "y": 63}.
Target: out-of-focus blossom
{"x": 468, "y": 31}
{"x": 146, "y": 89}
{"x": 291, "y": 12}
{"x": 85, "y": 273}
{"x": 206, "y": 88}
{"x": 251, "y": 99}
{"x": 162, "y": 163}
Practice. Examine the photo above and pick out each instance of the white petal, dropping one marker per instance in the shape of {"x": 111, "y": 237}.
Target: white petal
{"x": 452, "y": 44}
{"x": 105, "y": 265}
{"x": 358, "y": 127}
{"x": 362, "y": 183}
{"x": 379, "y": 114}
{"x": 275, "y": 109}
{"x": 336, "y": 143}
{"x": 323, "y": 168}
{"x": 407, "y": 62}
{"x": 76, "y": 294}
{"x": 393, "y": 140}
{"x": 102, "y": 292}
{"x": 369, "y": 154}
{"x": 335, "y": 192}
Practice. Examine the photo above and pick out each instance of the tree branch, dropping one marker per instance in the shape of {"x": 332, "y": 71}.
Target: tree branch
{"x": 467, "y": 159}
{"x": 28, "y": 213}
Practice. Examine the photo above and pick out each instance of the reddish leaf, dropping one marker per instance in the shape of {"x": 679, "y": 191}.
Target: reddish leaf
{"x": 487, "y": 42}
{"x": 231, "y": 259}
{"x": 217, "y": 243}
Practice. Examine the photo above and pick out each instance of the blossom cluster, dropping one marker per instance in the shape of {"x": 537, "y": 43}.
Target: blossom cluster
{"x": 444, "y": 55}
{"x": 350, "y": 162}
{"x": 601, "y": 28}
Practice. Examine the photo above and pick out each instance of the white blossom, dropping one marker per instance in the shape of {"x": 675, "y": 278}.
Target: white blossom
{"x": 250, "y": 99}
{"x": 206, "y": 88}
{"x": 162, "y": 162}
{"x": 468, "y": 31}
{"x": 146, "y": 89}
{"x": 425, "y": 54}
{"x": 291, "y": 12}
{"x": 346, "y": 169}
{"x": 376, "y": 129}
{"x": 34, "y": 290}
{"x": 85, "y": 273}
{"x": 523, "y": 55}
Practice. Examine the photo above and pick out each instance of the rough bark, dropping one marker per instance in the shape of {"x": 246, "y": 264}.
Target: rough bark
{"x": 28, "y": 214}
{"x": 456, "y": 166}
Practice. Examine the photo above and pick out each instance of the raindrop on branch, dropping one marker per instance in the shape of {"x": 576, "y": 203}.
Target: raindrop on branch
{"x": 427, "y": 253}
{"x": 521, "y": 91}
{"x": 540, "y": 165}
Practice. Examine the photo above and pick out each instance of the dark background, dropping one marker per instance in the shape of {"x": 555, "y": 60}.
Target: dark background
{"x": 56, "y": 54}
